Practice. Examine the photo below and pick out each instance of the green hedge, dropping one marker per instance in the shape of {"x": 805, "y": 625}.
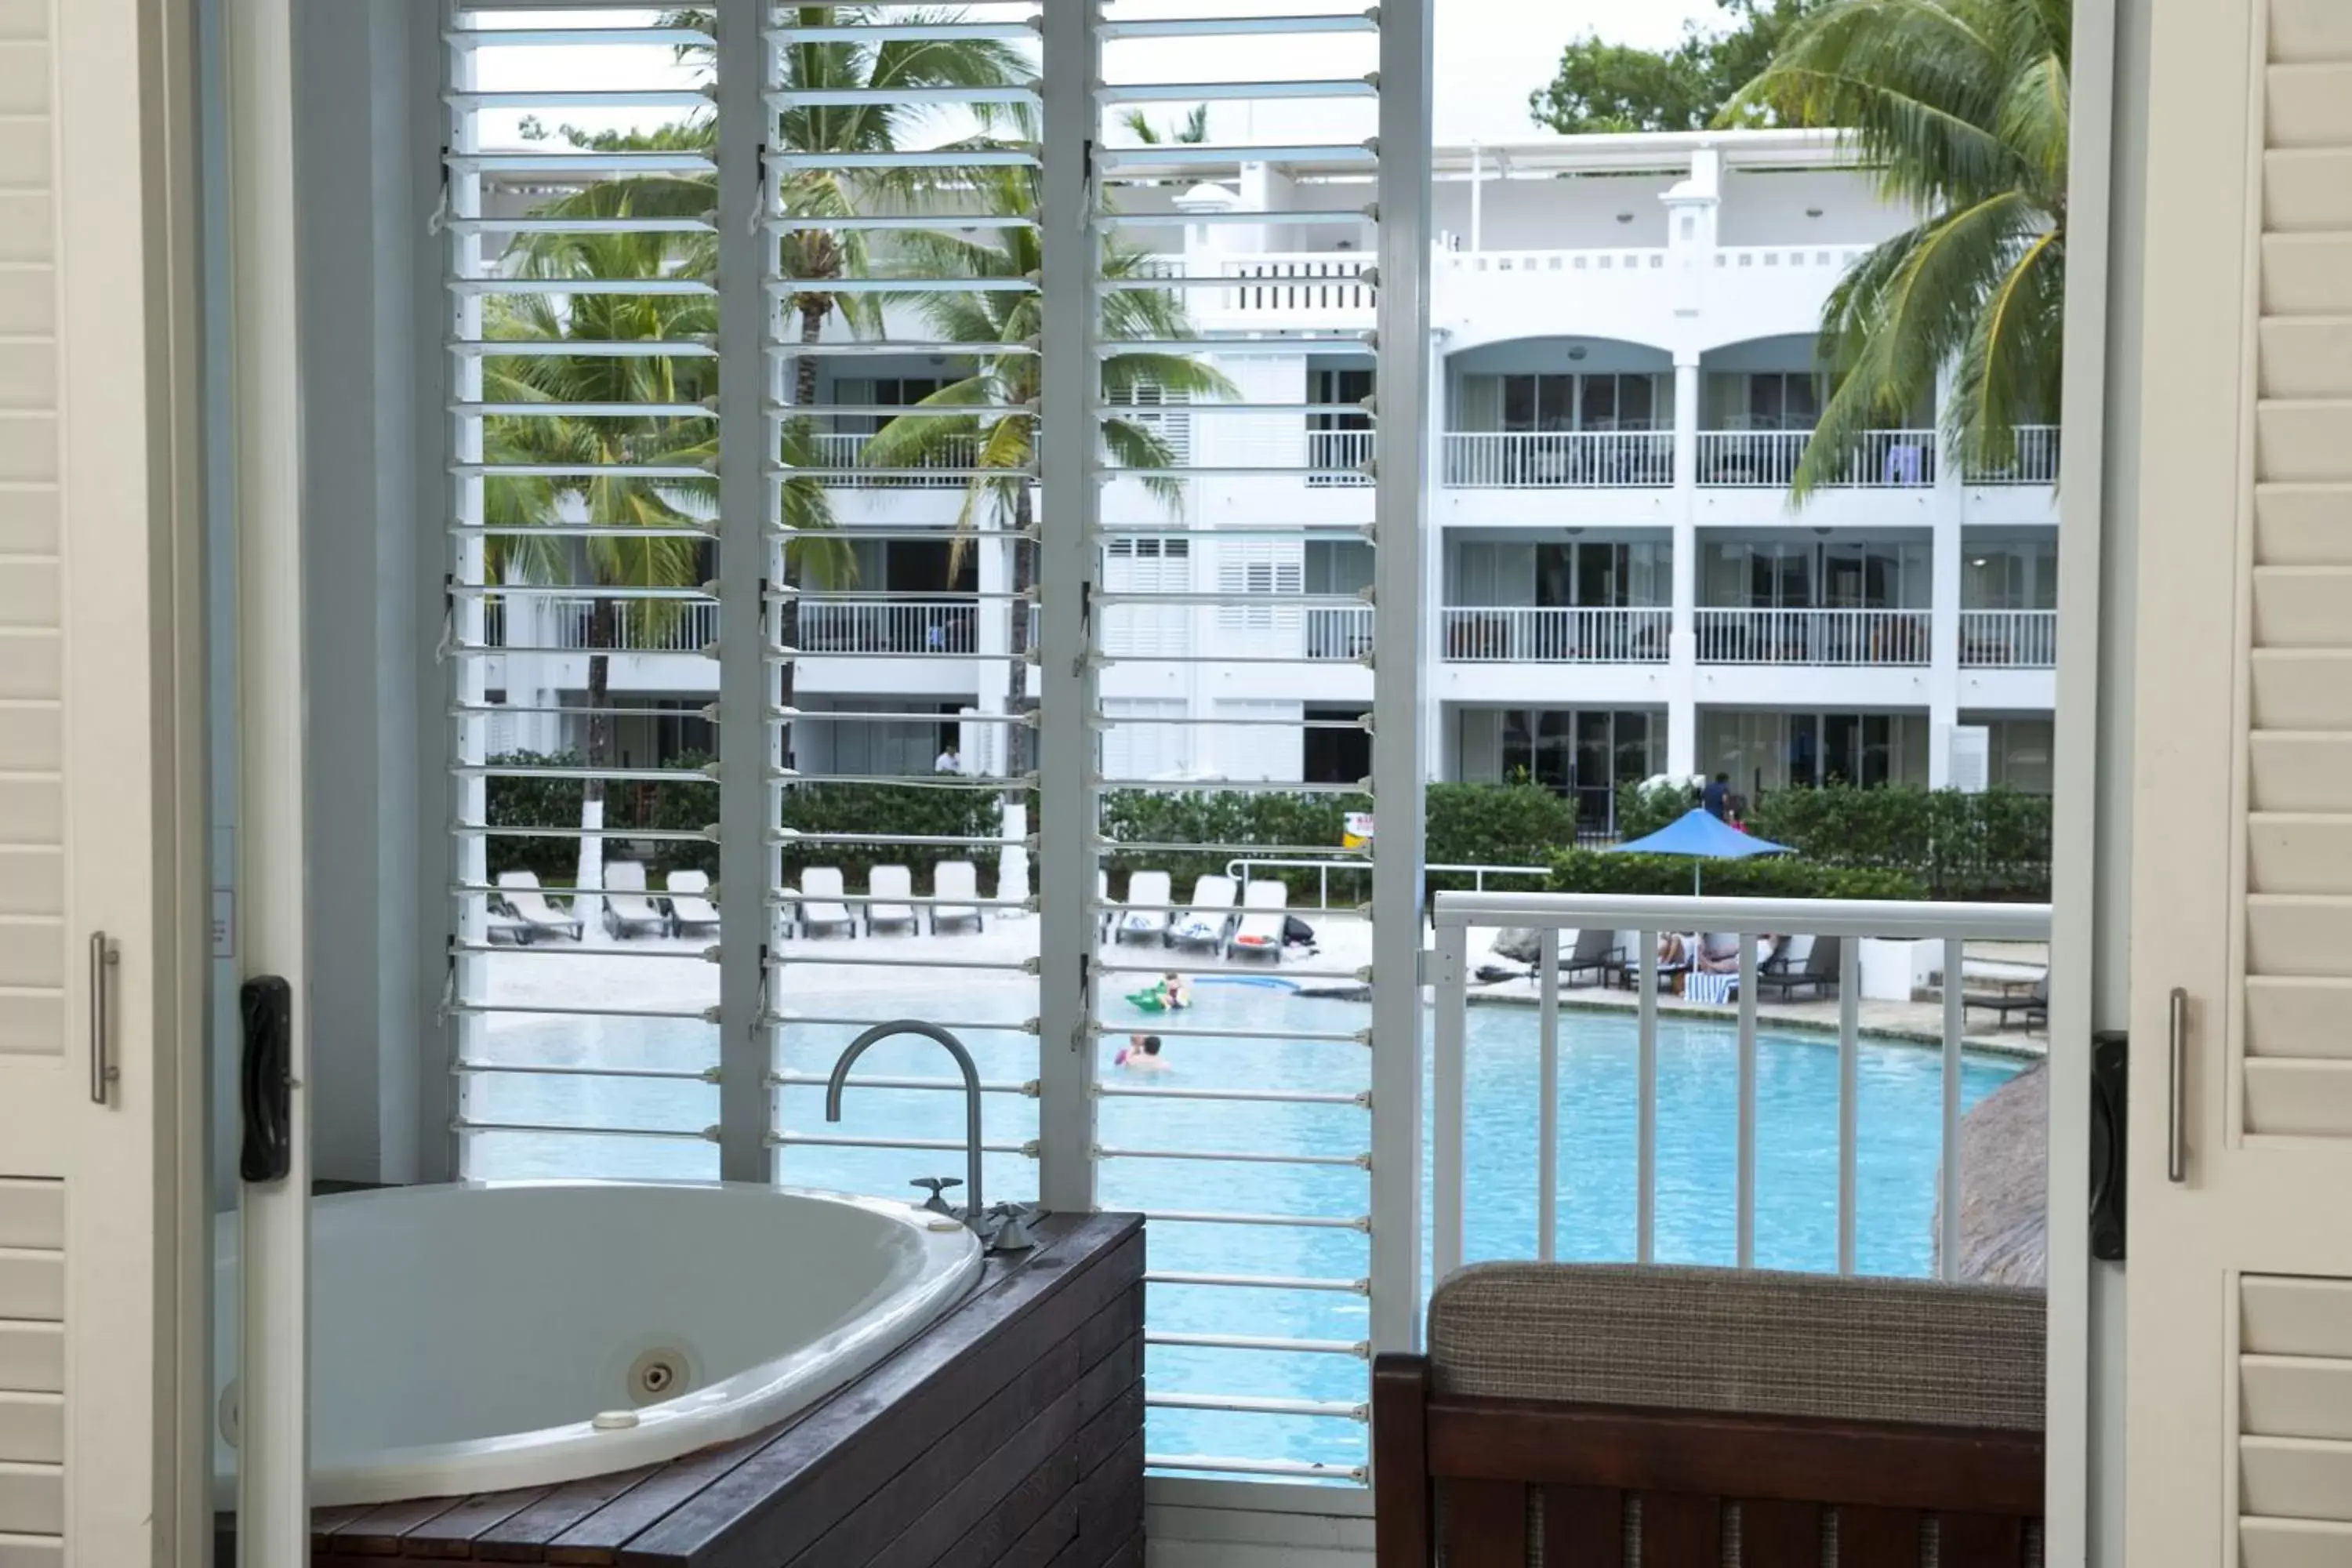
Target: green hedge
{"x": 1468, "y": 825}
{"x": 917, "y": 810}
{"x": 1769, "y": 877}
{"x": 690, "y": 805}
{"x": 1992, "y": 845}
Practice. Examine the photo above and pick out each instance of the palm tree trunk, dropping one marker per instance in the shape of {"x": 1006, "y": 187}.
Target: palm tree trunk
{"x": 814, "y": 309}
{"x": 589, "y": 880}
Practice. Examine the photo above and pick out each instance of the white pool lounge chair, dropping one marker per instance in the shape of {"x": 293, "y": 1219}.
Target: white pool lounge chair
{"x": 626, "y": 908}
{"x": 1264, "y": 906}
{"x": 1145, "y": 917}
{"x": 956, "y": 879}
{"x": 521, "y": 891}
{"x": 514, "y": 928}
{"x": 1208, "y": 918}
{"x": 889, "y": 892}
{"x": 821, "y": 901}
{"x": 689, "y": 903}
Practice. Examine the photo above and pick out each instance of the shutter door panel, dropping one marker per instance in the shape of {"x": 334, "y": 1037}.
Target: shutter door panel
{"x": 32, "y": 1343}
{"x": 2297, "y": 1076}
{"x": 2238, "y": 1387}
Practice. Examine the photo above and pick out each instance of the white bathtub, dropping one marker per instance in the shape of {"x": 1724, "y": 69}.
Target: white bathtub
{"x": 467, "y": 1338}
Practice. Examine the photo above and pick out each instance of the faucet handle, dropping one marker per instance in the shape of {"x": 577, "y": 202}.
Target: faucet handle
{"x": 934, "y": 1186}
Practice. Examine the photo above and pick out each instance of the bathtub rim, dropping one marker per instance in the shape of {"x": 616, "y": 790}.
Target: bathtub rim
{"x": 721, "y": 1412}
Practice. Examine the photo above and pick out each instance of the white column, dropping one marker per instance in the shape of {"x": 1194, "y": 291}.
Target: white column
{"x": 1399, "y": 775}
{"x": 748, "y": 501}
{"x": 1433, "y": 569}
{"x": 1067, "y": 562}
{"x": 1944, "y": 607}
{"x": 1682, "y": 680}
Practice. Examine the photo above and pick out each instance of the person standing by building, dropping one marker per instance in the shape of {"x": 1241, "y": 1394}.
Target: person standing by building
{"x": 946, "y": 761}
{"x": 1716, "y": 797}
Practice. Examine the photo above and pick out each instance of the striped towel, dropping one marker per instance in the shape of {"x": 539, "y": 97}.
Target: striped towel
{"x": 1718, "y": 989}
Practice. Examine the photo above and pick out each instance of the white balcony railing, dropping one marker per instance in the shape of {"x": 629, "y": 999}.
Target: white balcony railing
{"x": 1338, "y": 632}
{"x": 2009, "y": 639}
{"x": 566, "y": 625}
{"x": 1525, "y": 634}
{"x": 1559, "y": 459}
{"x": 1767, "y": 459}
{"x": 939, "y": 628}
{"x": 2032, "y": 461}
{"x": 1637, "y": 921}
{"x": 1339, "y": 449}
{"x": 1294, "y": 284}
{"x": 848, "y": 451}
{"x": 1820, "y": 637}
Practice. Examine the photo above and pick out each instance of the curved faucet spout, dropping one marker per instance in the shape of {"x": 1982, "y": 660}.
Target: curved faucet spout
{"x": 955, "y": 1048}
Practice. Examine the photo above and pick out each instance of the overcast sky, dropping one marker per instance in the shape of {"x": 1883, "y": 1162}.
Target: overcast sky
{"x": 1490, "y": 54}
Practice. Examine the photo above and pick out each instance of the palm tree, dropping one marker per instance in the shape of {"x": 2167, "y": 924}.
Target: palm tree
{"x": 1006, "y": 444}
{"x": 1191, "y": 133}
{"x": 898, "y": 65}
{"x": 1961, "y": 105}
{"x": 651, "y": 532}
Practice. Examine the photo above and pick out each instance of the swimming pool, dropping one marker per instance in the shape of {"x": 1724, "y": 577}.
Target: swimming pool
{"x": 1900, "y": 1101}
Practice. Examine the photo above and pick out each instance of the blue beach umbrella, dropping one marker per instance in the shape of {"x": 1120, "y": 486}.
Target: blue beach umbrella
{"x": 1702, "y": 836}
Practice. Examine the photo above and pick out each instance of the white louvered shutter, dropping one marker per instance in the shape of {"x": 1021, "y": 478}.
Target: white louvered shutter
{"x": 85, "y": 695}
{"x": 582, "y": 299}
{"x": 2240, "y": 1275}
{"x": 1279, "y": 1253}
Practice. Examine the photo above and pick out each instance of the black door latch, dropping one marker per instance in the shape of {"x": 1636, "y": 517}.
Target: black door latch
{"x": 266, "y": 1078}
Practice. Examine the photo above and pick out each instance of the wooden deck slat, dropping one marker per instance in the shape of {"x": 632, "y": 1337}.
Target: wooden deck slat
{"x": 1980, "y": 1538}
{"x": 451, "y": 1535}
{"x": 999, "y": 1541}
{"x": 968, "y": 1502}
{"x": 524, "y": 1537}
{"x": 760, "y": 1514}
{"x": 377, "y": 1533}
{"x": 646, "y": 1504}
{"x": 935, "y": 1472}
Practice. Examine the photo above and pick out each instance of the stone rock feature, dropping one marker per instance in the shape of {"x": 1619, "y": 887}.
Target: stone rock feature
{"x": 2004, "y": 1184}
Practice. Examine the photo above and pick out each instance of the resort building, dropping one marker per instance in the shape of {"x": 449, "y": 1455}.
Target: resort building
{"x": 1620, "y": 584}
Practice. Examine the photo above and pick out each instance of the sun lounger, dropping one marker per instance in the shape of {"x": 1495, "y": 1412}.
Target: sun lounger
{"x": 1816, "y": 973}
{"x": 689, "y": 903}
{"x": 627, "y": 910}
{"x": 822, "y": 904}
{"x": 2033, "y": 1004}
{"x": 889, "y": 892}
{"x": 1145, "y": 917}
{"x": 1208, "y": 918}
{"x": 1593, "y": 953}
{"x": 520, "y": 891}
{"x": 956, "y": 879}
{"x": 514, "y": 928}
{"x": 1265, "y": 906}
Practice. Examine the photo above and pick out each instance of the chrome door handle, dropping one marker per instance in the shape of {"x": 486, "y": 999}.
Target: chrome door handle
{"x": 104, "y": 955}
{"x": 2176, "y": 1124}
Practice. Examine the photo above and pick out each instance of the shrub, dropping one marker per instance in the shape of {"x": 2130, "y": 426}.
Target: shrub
{"x": 690, "y": 805}
{"x": 891, "y": 810}
{"x": 1495, "y": 824}
{"x": 1995, "y": 845}
{"x": 1644, "y": 808}
{"x": 1468, "y": 825}
{"x": 1766, "y": 876}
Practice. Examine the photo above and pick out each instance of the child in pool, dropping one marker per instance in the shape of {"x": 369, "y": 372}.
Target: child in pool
{"x": 1141, "y": 1055}
{"x": 1175, "y": 993}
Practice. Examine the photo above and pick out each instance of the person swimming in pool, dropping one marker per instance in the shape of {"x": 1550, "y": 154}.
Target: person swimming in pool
{"x": 1141, "y": 1055}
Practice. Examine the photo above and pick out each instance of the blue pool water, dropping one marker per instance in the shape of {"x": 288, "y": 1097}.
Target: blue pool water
{"x": 1899, "y": 1113}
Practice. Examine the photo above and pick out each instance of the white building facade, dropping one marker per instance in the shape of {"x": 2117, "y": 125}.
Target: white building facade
{"x": 1619, "y": 583}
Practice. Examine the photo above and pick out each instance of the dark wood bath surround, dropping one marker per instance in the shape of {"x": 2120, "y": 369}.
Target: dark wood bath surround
{"x": 1011, "y": 1432}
